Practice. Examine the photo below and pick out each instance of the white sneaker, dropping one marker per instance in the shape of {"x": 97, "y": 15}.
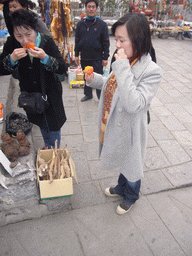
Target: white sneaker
{"x": 123, "y": 208}
{"x": 110, "y": 192}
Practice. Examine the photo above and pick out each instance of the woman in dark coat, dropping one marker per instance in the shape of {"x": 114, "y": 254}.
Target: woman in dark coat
{"x": 37, "y": 67}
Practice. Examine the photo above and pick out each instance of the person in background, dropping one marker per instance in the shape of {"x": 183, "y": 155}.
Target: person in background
{"x": 36, "y": 67}
{"x": 92, "y": 42}
{"x": 10, "y": 6}
{"x": 31, "y": 5}
{"x": 125, "y": 99}
{"x": 82, "y": 15}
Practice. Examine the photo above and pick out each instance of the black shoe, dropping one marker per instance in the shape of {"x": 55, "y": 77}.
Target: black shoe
{"x": 86, "y": 98}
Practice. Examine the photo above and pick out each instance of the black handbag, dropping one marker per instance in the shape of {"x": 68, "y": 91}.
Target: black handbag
{"x": 16, "y": 121}
{"x": 34, "y": 102}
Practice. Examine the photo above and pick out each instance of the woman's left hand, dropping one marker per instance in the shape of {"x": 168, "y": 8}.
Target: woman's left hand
{"x": 120, "y": 55}
{"x": 37, "y": 53}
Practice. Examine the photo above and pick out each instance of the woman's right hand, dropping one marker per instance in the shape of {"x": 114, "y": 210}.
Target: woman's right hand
{"x": 89, "y": 78}
{"x": 120, "y": 55}
{"x": 18, "y": 54}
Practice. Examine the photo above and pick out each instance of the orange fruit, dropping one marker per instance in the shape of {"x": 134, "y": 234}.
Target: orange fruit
{"x": 29, "y": 45}
{"x": 88, "y": 70}
{"x": 25, "y": 46}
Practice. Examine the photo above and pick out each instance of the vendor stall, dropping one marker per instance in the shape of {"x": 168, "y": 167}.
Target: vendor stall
{"x": 174, "y": 31}
{"x": 58, "y": 14}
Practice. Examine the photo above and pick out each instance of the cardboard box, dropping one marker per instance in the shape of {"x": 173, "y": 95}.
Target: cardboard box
{"x": 59, "y": 187}
{"x": 80, "y": 76}
{"x": 77, "y": 84}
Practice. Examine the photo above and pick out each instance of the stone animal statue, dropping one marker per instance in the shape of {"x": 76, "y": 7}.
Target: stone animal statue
{"x": 10, "y": 148}
{"x": 24, "y": 144}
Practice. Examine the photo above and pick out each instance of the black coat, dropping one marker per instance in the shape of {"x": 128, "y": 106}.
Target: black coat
{"x": 92, "y": 40}
{"x": 29, "y": 79}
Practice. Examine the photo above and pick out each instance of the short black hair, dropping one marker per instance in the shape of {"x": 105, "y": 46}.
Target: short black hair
{"x": 138, "y": 31}
{"x": 23, "y": 3}
{"x": 30, "y": 4}
{"x": 88, "y": 1}
{"x": 24, "y": 18}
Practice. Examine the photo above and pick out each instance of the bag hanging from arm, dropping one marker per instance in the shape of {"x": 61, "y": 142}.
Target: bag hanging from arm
{"x": 34, "y": 102}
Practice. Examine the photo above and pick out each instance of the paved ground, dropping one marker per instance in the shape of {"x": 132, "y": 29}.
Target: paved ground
{"x": 160, "y": 223}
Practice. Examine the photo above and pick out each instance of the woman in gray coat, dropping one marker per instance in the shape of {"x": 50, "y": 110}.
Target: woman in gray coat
{"x": 125, "y": 99}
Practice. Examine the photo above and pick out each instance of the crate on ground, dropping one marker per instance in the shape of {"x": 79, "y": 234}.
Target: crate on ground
{"x": 72, "y": 73}
{"x": 55, "y": 179}
{"x": 80, "y": 76}
{"x": 77, "y": 84}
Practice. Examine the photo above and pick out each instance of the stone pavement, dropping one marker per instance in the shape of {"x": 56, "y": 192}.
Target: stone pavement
{"x": 159, "y": 223}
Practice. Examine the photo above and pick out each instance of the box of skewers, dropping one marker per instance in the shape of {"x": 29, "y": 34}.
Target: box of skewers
{"x": 55, "y": 173}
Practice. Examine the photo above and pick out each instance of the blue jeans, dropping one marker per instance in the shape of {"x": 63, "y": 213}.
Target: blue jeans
{"x": 50, "y": 137}
{"x": 128, "y": 190}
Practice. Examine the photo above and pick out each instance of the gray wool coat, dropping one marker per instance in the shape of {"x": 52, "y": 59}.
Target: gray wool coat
{"x": 125, "y": 139}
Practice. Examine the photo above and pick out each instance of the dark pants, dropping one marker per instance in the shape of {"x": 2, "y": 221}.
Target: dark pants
{"x": 128, "y": 190}
{"x": 50, "y": 137}
{"x": 98, "y": 68}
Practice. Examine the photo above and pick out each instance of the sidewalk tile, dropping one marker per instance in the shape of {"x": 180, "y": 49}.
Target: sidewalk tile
{"x": 90, "y": 133}
{"x": 172, "y": 123}
{"x": 176, "y": 83}
{"x": 161, "y": 111}
{"x": 183, "y": 101}
{"x": 150, "y": 141}
{"x": 81, "y": 167}
{"x": 98, "y": 172}
{"x": 86, "y": 194}
{"x": 189, "y": 109}
{"x": 73, "y": 141}
{"x": 71, "y": 128}
{"x": 183, "y": 137}
{"x": 188, "y": 126}
{"x": 156, "y": 102}
{"x": 179, "y": 175}
{"x": 155, "y": 159}
{"x": 164, "y": 97}
{"x": 174, "y": 93}
{"x": 72, "y": 113}
{"x": 155, "y": 232}
{"x": 92, "y": 150}
{"x": 70, "y": 101}
{"x": 159, "y": 131}
{"x": 175, "y": 108}
{"x": 184, "y": 117}
{"x": 89, "y": 118}
{"x": 174, "y": 152}
{"x": 173, "y": 214}
{"x": 154, "y": 181}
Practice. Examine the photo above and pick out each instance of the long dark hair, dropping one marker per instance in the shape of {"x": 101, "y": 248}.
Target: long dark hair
{"x": 138, "y": 31}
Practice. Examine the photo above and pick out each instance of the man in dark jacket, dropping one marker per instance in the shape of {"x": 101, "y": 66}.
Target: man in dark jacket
{"x": 92, "y": 42}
